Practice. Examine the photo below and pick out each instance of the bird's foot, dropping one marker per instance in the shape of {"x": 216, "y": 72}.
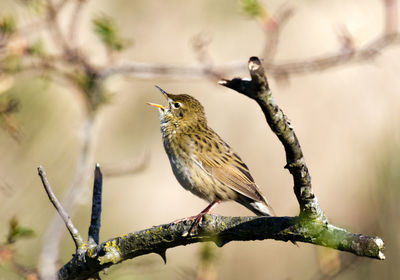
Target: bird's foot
{"x": 196, "y": 221}
{"x": 198, "y": 218}
{"x": 184, "y": 219}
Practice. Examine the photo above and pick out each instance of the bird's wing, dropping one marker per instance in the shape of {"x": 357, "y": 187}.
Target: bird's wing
{"x": 218, "y": 159}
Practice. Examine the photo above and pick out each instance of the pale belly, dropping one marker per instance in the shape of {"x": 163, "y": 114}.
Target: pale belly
{"x": 199, "y": 182}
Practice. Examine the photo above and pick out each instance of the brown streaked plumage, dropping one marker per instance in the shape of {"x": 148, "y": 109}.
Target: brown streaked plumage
{"x": 201, "y": 161}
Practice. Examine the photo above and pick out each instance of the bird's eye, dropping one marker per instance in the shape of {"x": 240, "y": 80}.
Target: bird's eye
{"x": 177, "y": 105}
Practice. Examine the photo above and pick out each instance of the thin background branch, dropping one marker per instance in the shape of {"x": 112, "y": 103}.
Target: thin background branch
{"x": 387, "y": 38}
{"x": 75, "y": 21}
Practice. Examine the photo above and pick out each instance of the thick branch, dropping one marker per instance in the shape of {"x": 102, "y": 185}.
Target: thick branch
{"x": 220, "y": 230}
{"x": 258, "y": 89}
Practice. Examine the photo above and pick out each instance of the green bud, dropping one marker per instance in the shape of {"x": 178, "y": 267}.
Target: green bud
{"x": 8, "y": 25}
{"x": 105, "y": 29}
{"x": 252, "y": 8}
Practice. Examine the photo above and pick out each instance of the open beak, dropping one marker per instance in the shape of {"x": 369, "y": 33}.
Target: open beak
{"x": 158, "y": 105}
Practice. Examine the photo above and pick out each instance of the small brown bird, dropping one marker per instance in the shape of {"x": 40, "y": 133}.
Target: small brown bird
{"x": 202, "y": 162}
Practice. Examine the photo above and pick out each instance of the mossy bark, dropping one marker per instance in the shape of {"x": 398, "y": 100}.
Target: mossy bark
{"x": 220, "y": 230}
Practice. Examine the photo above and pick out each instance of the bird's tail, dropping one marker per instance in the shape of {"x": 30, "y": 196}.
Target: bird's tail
{"x": 260, "y": 208}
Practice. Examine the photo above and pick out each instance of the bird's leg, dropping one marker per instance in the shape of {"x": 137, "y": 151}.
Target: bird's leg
{"x": 198, "y": 218}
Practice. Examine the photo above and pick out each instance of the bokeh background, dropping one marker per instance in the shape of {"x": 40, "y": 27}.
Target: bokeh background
{"x": 346, "y": 118}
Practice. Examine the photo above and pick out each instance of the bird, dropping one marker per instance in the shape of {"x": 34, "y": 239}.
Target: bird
{"x": 202, "y": 162}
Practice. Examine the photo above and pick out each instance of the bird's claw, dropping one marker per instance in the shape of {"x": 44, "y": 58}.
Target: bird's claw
{"x": 197, "y": 221}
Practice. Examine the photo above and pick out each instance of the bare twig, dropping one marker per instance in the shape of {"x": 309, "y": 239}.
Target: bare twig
{"x": 52, "y": 236}
{"x": 200, "y": 44}
{"x": 94, "y": 228}
{"x": 60, "y": 209}
{"x": 258, "y": 89}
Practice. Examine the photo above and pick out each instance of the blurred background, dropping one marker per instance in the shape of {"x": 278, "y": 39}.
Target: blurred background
{"x": 332, "y": 66}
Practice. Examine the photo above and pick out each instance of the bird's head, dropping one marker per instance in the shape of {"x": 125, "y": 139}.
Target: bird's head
{"x": 182, "y": 110}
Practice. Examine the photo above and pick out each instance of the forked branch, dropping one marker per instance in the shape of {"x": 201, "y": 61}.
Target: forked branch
{"x": 258, "y": 89}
